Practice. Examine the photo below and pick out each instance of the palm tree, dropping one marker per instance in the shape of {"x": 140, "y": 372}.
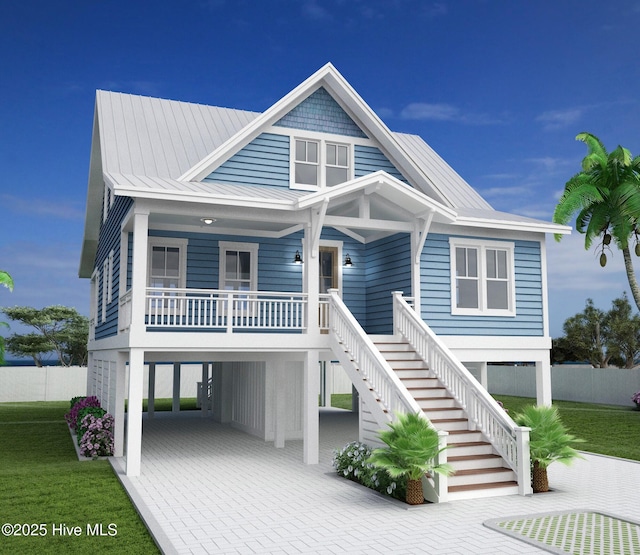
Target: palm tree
{"x": 412, "y": 446}
{"x": 549, "y": 441}
{"x": 606, "y": 195}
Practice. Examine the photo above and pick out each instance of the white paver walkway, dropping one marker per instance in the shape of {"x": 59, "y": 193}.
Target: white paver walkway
{"x": 207, "y": 488}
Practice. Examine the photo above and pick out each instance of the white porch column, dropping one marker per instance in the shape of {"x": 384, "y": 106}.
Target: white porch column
{"x": 139, "y": 276}
{"x": 204, "y": 401}
{"x": 118, "y": 416}
{"x": 134, "y": 413}
{"x": 151, "y": 400}
{"x": 175, "y": 405}
{"x": 543, "y": 382}
{"x": 311, "y": 278}
{"x": 311, "y": 420}
{"x": 484, "y": 375}
{"x": 277, "y": 372}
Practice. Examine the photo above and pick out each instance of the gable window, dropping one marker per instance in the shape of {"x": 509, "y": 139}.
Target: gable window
{"x": 238, "y": 266}
{"x": 320, "y": 163}
{"x": 482, "y": 277}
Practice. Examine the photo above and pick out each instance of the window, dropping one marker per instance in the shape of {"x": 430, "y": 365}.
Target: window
{"x": 320, "y": 163}
{"x": 107, "y": 284}
{"x": 306, "y": 166}
{"x": 482, "y": 277}
{"x": 238, "y": 266}
{"x": 167, "y": 266}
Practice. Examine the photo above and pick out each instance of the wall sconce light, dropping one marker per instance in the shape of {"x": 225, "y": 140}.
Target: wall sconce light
{"x": 297, "y": 259}
{"x": 347, "y": 261}
{"x": 207, "y": 221}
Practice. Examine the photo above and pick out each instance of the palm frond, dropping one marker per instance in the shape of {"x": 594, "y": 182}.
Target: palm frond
{"x": 5, "y": 279}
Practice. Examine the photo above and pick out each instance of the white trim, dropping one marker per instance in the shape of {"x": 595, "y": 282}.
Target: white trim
{"x": 482, "y": 247}
{"x": 252, "y": 248}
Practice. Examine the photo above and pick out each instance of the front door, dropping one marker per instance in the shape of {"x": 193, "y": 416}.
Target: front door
{"x": 328, "y": 269}
{"x": 328, "y": 260}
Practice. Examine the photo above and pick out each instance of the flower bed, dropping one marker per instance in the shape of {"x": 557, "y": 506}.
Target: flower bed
{"x": 351, "y": 462}
{"x": 92, "y": 427}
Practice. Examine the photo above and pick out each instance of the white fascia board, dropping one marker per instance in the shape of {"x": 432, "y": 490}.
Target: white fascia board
{"x": 488, "y": 223}
{"x": 93, "y": 211}
{"x": 478, "y": 348}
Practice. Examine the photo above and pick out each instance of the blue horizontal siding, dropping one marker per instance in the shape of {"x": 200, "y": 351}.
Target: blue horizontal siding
{"x": 388, "y": 269}
{"x": 369, "y": 159}
{"x": 264, "y": 161}
{"x": 436, "y": 293}
{"x": 109, "y": 240}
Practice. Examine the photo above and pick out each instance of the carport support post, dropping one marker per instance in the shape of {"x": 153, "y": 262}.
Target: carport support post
{"x": 134, "y": 412}
{"x": 484, "y": 375}
{"x": 175, "y": 406}
{"x": 151, "y": 400}
{"x": 543, "y": 382}
{"x": 121, "y": 387}
{"x": 277, "y": 371}
{"x": 311, "y": 423}
{"x": 204, "y": 400}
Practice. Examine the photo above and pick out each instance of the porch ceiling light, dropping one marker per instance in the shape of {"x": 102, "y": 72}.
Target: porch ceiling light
{"x": 297, "y": 259}
{"x": 347, "y": 261}
{"x": 207, "y": 221}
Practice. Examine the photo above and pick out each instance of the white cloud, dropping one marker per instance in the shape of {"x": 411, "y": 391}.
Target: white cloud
{"x": 516, "y": 190}
{"x": 63, "y": 209}
{"x": 559, "y": 119}
{"x": 312, "y": 10}
{"x": 447, "y": 112}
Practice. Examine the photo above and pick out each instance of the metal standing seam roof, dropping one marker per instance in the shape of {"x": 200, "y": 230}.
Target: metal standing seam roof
{"x": 144, "y": 137}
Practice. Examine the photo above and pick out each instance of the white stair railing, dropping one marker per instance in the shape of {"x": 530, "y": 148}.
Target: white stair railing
{"x": 375, "y": 380}
{"x": 510, "y": 441}
{"x": 204, "y": 393}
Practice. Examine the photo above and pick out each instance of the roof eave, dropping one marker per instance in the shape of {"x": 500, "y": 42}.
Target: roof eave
{"x": 538, "y": 227}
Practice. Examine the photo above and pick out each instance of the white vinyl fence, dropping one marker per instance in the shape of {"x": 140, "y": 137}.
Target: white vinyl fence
{"x": 609, "y": 386}
{"x": 55, "y": 383}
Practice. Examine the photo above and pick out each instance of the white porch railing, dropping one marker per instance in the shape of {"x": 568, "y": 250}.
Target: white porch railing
{"x": 214, "y": 309}
{"x": 376, "y": 381}
{"x": 511, "y": 441}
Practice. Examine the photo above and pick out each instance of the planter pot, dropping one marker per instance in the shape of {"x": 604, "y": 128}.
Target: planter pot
{"x": 539, "y": 478}
{"x": 414, "y": 492}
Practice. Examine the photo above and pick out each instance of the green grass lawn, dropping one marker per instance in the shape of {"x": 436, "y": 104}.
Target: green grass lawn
{"x": 607, "y": 429}
{"x": 42, "y": 482}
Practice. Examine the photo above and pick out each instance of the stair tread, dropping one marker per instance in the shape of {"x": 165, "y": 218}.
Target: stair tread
{"x": 476, "y": 471}
{"x": 469, "y": 443}
{"x": 489, "y": 485}
{"x": 483, "y": 456}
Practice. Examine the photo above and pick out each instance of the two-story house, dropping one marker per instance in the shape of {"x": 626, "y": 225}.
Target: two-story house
{"x": 265, "y": 244}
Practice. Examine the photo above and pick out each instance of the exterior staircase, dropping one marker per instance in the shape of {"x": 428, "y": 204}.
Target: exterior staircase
{"x": 480, "y": 471}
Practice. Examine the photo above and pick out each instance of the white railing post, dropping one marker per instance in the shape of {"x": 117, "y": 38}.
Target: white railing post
{"x": 396, "y": 311}
{"x": 524, "y": 460}
{"x": 229, "y": 312}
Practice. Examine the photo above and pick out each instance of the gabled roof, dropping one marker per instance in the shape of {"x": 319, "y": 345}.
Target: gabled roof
{"x": 160, "y": 149}
{"x": 331, "y": 80}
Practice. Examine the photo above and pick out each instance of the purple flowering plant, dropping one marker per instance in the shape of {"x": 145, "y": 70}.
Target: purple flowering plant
{"x": 97, "y": 441}
{"x": 72, "y": 416}
{"x": 636, "y": 399}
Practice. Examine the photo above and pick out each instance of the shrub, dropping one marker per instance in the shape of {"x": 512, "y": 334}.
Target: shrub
{"x": 351, "y": 463}
{"x": 97, "y": 440}
{"x": 98, "y": 412}
{"x": 72, "y": 416}
{"x": 636, "y": 399}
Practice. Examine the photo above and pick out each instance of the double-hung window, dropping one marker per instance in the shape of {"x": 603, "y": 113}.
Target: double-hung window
{"x": 167, "y": 269}
{"x": 238, "y": 266}
{"x": 320, "y": 163}
{"x": 482, "y": 277}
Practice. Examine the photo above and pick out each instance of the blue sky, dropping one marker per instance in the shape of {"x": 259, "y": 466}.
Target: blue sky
{"x": 499, "y": 88}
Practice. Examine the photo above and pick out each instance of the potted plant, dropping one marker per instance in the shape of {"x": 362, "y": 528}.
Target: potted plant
{"x": 411, "y": 447}
{"x": 549, "y": 441}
